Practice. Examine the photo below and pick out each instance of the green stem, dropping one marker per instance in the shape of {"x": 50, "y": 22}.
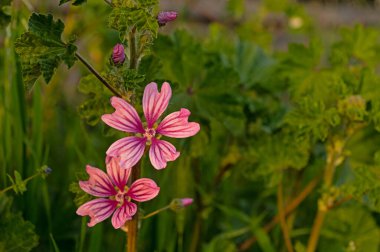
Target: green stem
{"x": 156, "y": 212}
{"x": 24, "y": 181}
{"x": 133, "y": 57}
{"x": 97, "y": 75}
{"x": 334, "y": 156}
{"x": 132, "y": 225}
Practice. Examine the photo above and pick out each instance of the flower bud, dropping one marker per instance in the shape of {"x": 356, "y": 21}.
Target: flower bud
{"x": 48, "y": 170}
{"x": 118, "y": 55}
{"x": 165, "y": 17}
{"x": 178, "y": 204}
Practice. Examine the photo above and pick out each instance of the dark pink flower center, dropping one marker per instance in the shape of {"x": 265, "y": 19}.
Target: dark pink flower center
{"x": 149, "y": 133}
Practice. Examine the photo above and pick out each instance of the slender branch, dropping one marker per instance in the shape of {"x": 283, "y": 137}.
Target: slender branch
{"x": 155, "y": 212}
{"x": 288, "y": 210}
{"x": 97, "y": 74}
{"x": 281, "y": 214}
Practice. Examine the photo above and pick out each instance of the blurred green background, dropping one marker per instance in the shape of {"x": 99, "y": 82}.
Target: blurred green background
{"x": 229, "y": 63}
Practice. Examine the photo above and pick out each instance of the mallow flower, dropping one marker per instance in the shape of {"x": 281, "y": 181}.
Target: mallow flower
{"x": 114, "y": 196}
{"x": 131, "y": 148}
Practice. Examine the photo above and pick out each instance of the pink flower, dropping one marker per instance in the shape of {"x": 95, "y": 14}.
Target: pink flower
{"x": 118, "y": 55}
{"x": 115, "y": 196}
{"x": 130, "y": 149}
{"x": 165, "y": 17}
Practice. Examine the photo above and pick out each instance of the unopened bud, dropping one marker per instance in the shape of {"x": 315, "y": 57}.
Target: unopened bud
{"x": 165, "y": 17}
{"x": 178, "y": 204}
{"x": 118, "y": 55}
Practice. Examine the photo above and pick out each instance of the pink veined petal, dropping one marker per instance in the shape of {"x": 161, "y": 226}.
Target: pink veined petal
{"x": 155, "y": 103}
{"x": 98, "y": 210}
{"x": 129, "y": 149}
{"x": 125, "y": 118}
{"x": 123, "y": 213}
{"x": 161, "y": 152}
{"x": 99, "y": 184}
{"x": 118, "y": 176}
{"x": 143, "y": 189}
{"x": 176, "y": 125}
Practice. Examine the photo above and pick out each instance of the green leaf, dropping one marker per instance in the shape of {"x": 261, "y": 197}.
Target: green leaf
{"x": 97, "y": 102}
{"x": 41, "y": 49}
{"x": 75, "y": 2}
{"x": 81, "y": 197}
{"x": 349, "y": 229}
{"x": 20, "y": 185}
{"x": 16, "y": 233}
{"x": 312, "y": 118}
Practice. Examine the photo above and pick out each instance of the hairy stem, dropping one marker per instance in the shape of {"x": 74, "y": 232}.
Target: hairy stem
{"x": 132, "y": 225}
{"x": 288, "y": 209}
{"x": 281, "y": 214}
{"x": 97, "y": 75}
{"x": 133, "y": 57}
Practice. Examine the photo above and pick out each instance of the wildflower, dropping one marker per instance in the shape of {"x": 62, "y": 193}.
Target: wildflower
{"x": 165, "y": 17}
{"x": 118, "y": 55}
{"x": 130, "y": 149}
{"x": 115, "y": 196}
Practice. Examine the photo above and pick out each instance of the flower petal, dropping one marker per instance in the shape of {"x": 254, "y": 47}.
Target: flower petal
{"x": 118, "y": 176}
{"x": 98, "y": 210}
{"x": 155, "y": 103}
{"x": 160, "y": 152}
{"x": 123, "y": 213}
{"x": 125, "y": 118}
{"x": 99, "y": 184}
{"x": 176, "y": 125}
{"x": 143, "y": 189}
{"x": 129, "y": 149}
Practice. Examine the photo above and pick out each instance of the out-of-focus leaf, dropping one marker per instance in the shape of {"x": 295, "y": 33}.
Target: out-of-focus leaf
{"x": 349, "y": 229}
{"x": 81, "y": 197}
{"x": 97, "y": 102}
{"x": 17, "y": 234}
{"x": 42, "y": 50}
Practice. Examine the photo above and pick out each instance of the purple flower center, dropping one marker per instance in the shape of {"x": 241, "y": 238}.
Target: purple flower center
{"x": 149, "y": 133}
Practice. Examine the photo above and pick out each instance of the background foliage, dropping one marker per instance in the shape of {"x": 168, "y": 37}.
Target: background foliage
{"x": 273, "y": 120}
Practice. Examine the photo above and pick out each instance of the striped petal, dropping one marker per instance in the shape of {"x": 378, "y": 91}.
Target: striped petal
{"x": 98, "y": 210}
{"x": 161, "y": 152}
{"x": 99, "y": 184}
{"x": 154, "y": 102}
{"x": 129, "y": 149}
{"x": 176, "y": 125}
{"x": 118, "y": 176}
{"x": 123, "y": 213}
{"x": 125, "y": 118}
{"x": 143, "y": 190}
